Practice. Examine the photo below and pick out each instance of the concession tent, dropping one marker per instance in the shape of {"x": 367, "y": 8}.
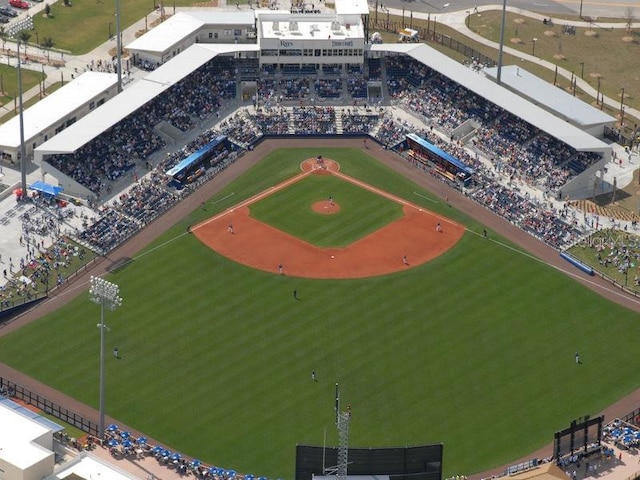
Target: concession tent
{"x": 46, "y": 188}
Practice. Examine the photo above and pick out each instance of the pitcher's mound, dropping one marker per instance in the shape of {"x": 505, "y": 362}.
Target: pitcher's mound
{"x": 325, "y": 207}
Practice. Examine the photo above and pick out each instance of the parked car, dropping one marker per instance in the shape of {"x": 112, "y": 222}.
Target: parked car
{"x": 4, "y": 19}
{"x": 8, "y": 12}
{"x": 19, "y": 4}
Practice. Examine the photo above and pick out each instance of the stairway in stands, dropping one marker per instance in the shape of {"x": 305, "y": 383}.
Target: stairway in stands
{"x": 383, "y": 78}
{"x": 292, "y": 122}
{"x": 338, "y": 113}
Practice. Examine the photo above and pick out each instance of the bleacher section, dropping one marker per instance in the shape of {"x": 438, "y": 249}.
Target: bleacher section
{"x": 511, "y": 148}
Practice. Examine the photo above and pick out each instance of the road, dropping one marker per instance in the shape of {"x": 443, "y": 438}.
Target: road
{"x": 591, "y": 8}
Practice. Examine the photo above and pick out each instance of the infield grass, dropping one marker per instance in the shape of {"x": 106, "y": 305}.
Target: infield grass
{"x": 361, "y": 212}
{"x": 474, "y": 349}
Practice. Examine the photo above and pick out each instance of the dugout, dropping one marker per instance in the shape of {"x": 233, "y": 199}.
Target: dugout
{"x": 423, "y": 152}
{"x": 196, "y": 164}
{"x": 423, "y": 462}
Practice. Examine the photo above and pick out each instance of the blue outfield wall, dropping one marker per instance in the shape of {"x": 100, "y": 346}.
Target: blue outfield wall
{"x": 577, "y": 263}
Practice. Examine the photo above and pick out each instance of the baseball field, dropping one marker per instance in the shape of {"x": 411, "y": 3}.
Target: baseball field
{"x": 473, "y": 348}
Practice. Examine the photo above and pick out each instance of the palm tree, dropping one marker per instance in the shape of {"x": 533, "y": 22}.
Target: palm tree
{"x": 3, "y": 36}
{"x": 47, "y": 44}
{"x": 24, "y": 37}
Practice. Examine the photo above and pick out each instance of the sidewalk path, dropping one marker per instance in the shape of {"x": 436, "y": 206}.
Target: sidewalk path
{"x": 457, "y": 21}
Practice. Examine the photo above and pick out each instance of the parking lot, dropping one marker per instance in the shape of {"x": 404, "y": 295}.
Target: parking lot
{"x": 12, "y": 9}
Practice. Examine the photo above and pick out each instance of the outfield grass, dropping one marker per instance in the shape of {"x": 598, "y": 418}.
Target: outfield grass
{"x": 474, "y": 349}
{"x": 361, "y": 211}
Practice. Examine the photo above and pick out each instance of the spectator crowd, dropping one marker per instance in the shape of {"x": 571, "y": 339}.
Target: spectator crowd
{"x": 511, "y": 149}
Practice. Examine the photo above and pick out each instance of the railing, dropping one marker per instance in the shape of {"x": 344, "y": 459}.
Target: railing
{"x": 47, "y": 406}
{"x": 433, "y": 37}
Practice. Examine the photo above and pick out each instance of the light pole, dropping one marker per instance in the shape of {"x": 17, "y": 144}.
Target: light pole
{"x": 110, "y": 35}
{"x": 533, "y": 46}
{"x": 468, "y": 19}
{"x": 581, "y": 69}
{"x": 23, "y": 149}
{"x": 581, "y": 8}
{"x": 105, "y": 294}
{"x": 501, "y": 49}
{"x": 119, "y": 46}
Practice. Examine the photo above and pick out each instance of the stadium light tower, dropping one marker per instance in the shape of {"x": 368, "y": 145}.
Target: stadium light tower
{"x": 501, "y": 48}
{"x": 105, "y": 294}
{"x": 23, "y": 150}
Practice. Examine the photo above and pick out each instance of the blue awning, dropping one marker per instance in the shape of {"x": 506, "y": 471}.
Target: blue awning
{"x": 196, "y": 156}
{"x": 47, "y": 188}
{"x": 441, "y": 153}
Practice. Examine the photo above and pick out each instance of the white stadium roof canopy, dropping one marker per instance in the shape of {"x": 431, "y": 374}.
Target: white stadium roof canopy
{"x": 556, "y": 99}
{"x": 351, "y": 7}
{"x": 18, "y": 438}
{"x": 509, "y": 101}
{"x": 187, "y": 23}
{"x": 134, "y": 97}
{"x": 167, "y": 75}
{"x": 56, "y": 106}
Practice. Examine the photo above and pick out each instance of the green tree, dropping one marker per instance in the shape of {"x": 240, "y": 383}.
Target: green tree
{"x": 24, "y": 37}
{"x": 629, "y": 18}
{"x": 3, "y": 36}
{"x": 47, "y": 44}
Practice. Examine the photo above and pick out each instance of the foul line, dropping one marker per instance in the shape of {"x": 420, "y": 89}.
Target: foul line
{"x": 223, "y": 198}
{"x": 570, "y": 273}
{"x": 425, "y": 197}
{"x": 255, "y": 198}
{"x": 394, "y": 198}
{"x": 614, "y": 291}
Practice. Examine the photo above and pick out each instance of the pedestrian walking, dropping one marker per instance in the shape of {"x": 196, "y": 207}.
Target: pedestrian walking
{"x": 295, "y": 294}
{"x": 438, "y": 227}
{"x": 484, "y": 233}
{"x": 116, "y": 353}
{"x": 404, "y": 260}
{"x": 577, "y": 357}
{"x": 230, "y": 228}
{"x": 313, "y": 376}
{"x": 280, "y": 268}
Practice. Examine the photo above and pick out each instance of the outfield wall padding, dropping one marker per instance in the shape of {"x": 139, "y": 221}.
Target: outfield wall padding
{"x": 577, "y": 263}
{"x": 399, "y": 463}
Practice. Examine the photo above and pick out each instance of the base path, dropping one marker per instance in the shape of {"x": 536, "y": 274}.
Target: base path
{"x": 79, "y": 285}
{"x": 414, "y": 239}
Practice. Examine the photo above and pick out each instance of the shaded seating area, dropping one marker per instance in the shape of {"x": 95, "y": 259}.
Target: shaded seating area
{"x": 122, "y": 444}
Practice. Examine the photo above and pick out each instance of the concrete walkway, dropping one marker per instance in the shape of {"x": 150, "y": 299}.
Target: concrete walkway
{"x": 75, "y": 65}
{"x": 458, "y": 21}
